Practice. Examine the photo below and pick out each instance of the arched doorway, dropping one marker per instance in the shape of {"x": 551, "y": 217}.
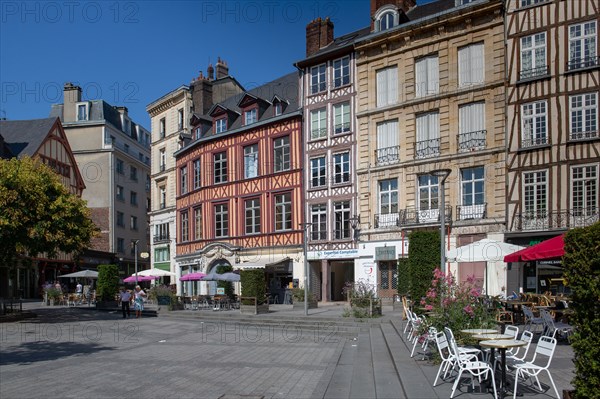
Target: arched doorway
{"x": 212, "y": 269}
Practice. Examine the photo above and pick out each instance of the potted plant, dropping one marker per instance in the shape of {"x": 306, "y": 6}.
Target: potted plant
{"x": 108, "y": 286}
{"x": 164, "y": 296}
{"x": 362, "y": 299}
{"x": 298, "y": 299}
{"x": 254, "y": 292}
{"x": 52, "y": 295}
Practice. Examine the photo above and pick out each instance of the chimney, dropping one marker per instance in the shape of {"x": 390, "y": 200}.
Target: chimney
{"x": 211, "y": 72}
{"x": 222, "y": 68}
{"x": 71, "y": 96}
{"x": 122, "y": 110}
{"x": 401, "y": 5}
{"x": 319, "y": 33}
{"x": 202, "y": 95}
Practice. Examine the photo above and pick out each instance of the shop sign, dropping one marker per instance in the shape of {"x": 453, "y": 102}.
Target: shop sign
{"x": 333, "y": 254}
{"x": 385, "y": 253}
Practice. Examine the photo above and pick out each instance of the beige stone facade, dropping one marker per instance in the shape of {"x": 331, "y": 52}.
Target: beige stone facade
{"x": 431, "y": 96}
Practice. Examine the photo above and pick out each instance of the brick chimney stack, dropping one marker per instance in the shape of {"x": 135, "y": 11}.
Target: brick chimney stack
{"x": 319, "y": 34}
{"x": 222, "y": 68}
{"x": 211, "y": 72}
{"x": 71, "y": 96}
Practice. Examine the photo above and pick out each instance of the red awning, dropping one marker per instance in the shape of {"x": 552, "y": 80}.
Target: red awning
{"x": 549, "y": 249}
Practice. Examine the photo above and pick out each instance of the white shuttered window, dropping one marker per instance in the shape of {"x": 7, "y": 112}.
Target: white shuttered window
{"x": 471, "y": 65}
{"x": 427, "y": 76}
{"x": 387, "y": 86}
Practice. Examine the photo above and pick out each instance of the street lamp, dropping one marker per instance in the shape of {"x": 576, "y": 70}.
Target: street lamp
{"x": 135, "y": 245}
{"x": 443, "y": 175}
{"x": 355, "y": 224}
{"x": 305, "y": 226}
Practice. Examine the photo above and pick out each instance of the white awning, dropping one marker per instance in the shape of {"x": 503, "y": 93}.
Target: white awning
{"x": 261, "y": 263}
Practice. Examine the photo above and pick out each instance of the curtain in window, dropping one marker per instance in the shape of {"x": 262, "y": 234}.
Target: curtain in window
{"x": 428, "y": 127}
{"x": 387, "y": 86}
{"x": 387, "y": 135}
{"x": 472, "y": 118}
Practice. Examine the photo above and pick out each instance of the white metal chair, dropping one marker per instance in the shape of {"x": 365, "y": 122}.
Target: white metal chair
{"x": 447, "y": 356}
{"x": 530, "y": 319}
{"x": 544, "y": 350}
{"x": 409, "y": 320}
{"x": 461, "y": 349}
{"x": 476, "y": 368}
{"x": 516, "y": 356}
{"x": 425, "y": 339}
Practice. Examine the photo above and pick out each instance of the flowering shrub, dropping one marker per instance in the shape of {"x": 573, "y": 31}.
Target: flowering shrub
{"x": 363, "y": 299}
{"x": 454, "y": 305}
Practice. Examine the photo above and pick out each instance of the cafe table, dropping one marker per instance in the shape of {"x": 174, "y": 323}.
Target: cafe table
{"x": 502, "y": 345}
{"x": 477, "y": 331}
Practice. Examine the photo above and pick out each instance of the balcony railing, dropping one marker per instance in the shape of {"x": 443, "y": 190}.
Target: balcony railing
{"x": 427, "y": 148}
{"x": 469, "y": 212}
{"x": 533, "y": 73}
{"x": 317, "y": 235}
{"x": 161, "y": 238}
{"x": 342, "y": 128}
{"x": 590, "y": 134}
{"x": 386, "y": 156}
{"x": 411, "y": 216}
{"x": 472, "y": 141}
{"x": 580, "y": 63}
{"x": 533, "y": 142}
{"x": 555, "y": 220}
{"x": 316, "y": 134}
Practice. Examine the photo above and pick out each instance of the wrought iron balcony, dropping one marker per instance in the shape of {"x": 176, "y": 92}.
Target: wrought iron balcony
{"x": 590, "y": 134}
{"x": 470, "y": 212}
{"x": 427, "y": 148}
{"x": 472, "y": 141}
{"x": 386, "y": 156}
{"x": 161, "y": 238}
{"x": 534, "y": 73}
{"x": 533, "y": 142}
{"x": 411, "y": 217}
{"x": 342, "y": 127}
{"x": 316, "y": 235}
{"x": 585, "y": 62}
{"x": 555, "y": 220}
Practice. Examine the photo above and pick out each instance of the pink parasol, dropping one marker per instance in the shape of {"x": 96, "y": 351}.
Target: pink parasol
{"x": 131, "y": 279}
{"x": 192, "y": 276}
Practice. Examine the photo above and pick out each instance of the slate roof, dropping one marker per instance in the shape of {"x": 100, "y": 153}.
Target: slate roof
{"x": 99, "y": 111}
{"x": 428, "y": 9}
{"x": 284, "y": 88}
{"x": 24, "y": 137}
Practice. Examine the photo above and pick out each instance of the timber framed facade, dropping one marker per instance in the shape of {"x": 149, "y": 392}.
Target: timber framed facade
{"x": 239, "y": 190}
{"x": 553, "y": 158}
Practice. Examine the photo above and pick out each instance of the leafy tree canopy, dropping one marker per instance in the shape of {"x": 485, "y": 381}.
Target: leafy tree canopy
{"x": 38, "y": 214}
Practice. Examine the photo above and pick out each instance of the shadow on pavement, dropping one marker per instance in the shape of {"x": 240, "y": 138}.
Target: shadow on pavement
{"x": 30, "y": 352}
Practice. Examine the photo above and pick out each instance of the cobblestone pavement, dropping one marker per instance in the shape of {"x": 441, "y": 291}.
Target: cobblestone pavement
{"x": 74, "y": 353}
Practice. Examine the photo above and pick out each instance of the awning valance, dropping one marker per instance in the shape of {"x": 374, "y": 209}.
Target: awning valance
{"x": 549, "y": 249}
{"x": 264, "y": 263}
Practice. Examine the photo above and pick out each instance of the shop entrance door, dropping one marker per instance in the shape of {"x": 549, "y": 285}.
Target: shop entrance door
{"x": 388, "y": 279}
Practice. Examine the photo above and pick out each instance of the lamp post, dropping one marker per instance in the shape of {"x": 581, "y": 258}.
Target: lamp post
{"x": 442, "y": 175}
{"x": 305, "y": 226}
{"x": 135, "y": 245}
{"x": 355, "y": 224}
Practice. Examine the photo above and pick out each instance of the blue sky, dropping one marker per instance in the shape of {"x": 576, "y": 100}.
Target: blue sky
{"x": 133, "y": 52}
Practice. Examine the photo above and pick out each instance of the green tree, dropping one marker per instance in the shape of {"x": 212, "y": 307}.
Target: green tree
{"x": 108, "y": 282}
{"x": 423, "y": 258}
{"x": 581, "y": 264}
{"x": 38, "y": 214}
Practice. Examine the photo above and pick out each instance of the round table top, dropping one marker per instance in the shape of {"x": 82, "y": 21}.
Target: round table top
{"x": 502, "y": 343}
{"x": 476, "y": 331}
{"x": 496, "y": 336}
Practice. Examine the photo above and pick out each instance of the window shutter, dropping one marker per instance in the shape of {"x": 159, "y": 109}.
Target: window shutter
{"x": 477, "y": 59}
{"x": 381, "y": 88}
{"x": 463, "y": 66}
{"x": 421, "y": 77}
{"x": 393, "y": 85}
{"x": 433, "y": 75}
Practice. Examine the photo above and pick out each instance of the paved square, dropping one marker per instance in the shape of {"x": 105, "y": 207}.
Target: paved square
{"x": 72, "y": 353}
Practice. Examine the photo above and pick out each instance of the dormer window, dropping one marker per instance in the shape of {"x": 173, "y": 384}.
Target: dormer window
{"x": 250, "y": 116}
{"x": 278, "y": 109}
{"x": 82, "y": 111}
{"x": 220, "y": 125}
{"x": 386, "y": 18}
{"x": 198, "y": 132}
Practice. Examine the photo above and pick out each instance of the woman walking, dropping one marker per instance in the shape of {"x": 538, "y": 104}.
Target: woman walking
{"x": 138, "y": 304}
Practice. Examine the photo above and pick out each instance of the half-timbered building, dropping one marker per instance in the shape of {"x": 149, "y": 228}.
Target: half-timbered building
{"x": 328, "y": 76}
{"x": 45, "y": 140}
{"x": 239, "y": 188}
{"x": 430, "y": 99}
{"x": 553, "y": 159}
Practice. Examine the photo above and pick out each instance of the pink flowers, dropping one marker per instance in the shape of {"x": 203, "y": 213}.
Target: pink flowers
{"x": 469, "y": 310}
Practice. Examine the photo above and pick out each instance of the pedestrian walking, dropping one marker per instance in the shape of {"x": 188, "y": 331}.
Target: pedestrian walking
{"x": 138, "y": 304}
{"x": 125, "y": 297}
